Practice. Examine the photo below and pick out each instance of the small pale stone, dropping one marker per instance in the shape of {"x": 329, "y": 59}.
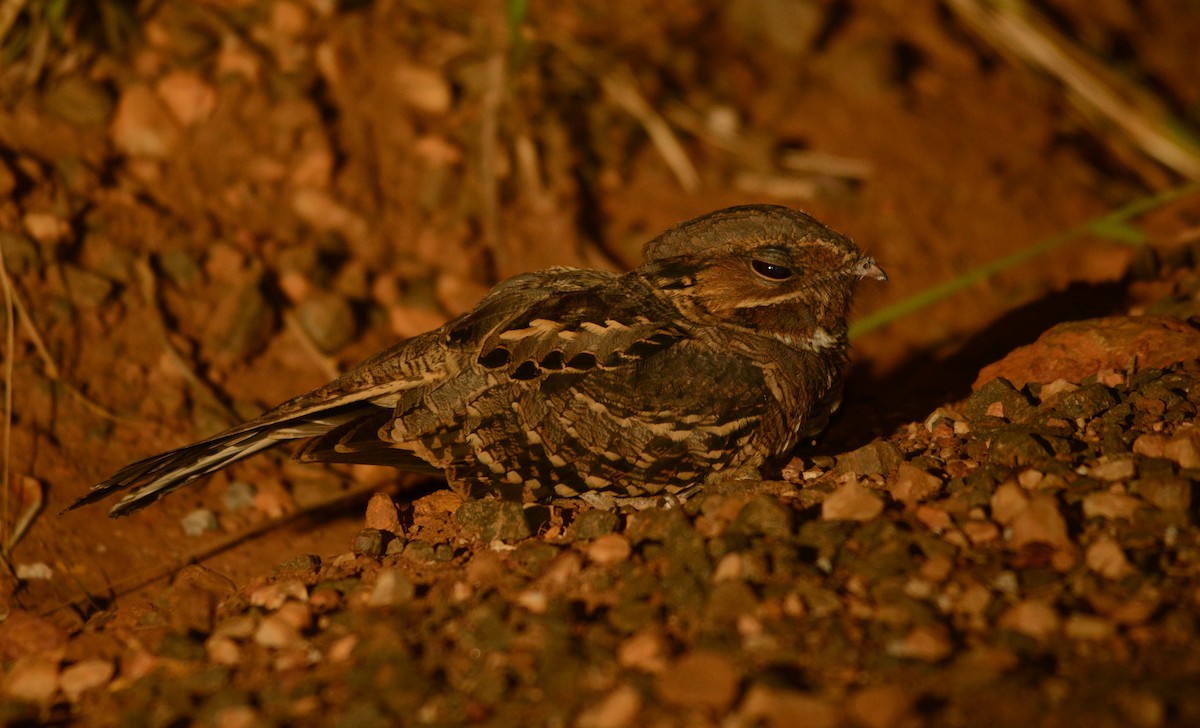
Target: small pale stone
{"x": 981, "y": 532}
{"x": 1105, "y": 557}
{"x": 928, "y": 643}
{"x": 343, "y": 649}
{"x": 142, "y": 126}
{"x": 187, "y": 95}
{"x": 643, "y": 651}
{"x": 424, "y": 88}
{"x": 274, "y": 595}
{"x": 533, "y": 600}
{"x": 199, "y": 521}
{"x": 1169, "y": 494}
{"x": 382, "y": 514}
{"x": 1040, "y": 522}
{"x": 223, "y": 650}
{"x": 237, "y": 716}
{"x": 1117, "y": 469}
{"x": 1184, "y": 448}
{"x": 912, "y": 484}
{"x": 611, "y": 548}
{"x": 1110, "y": 505}
{"x": 1032, "y": 618}
{"x": 617, "y": 710}
{"x": 780, "y": 708}
{"x": 934, "y": 518}
{"x": 46, "y": 228}
{"x": 1150, "y": 444}
{"x": 392, "y": 587}
{"x": 34, "y": 680}
{"x": 851, "y": 502}
{"x": 1008, "y": 501}
{"x": 278, "y": 633}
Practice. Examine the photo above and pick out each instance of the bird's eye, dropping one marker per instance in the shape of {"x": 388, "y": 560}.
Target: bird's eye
{"x": 771, "y": 270}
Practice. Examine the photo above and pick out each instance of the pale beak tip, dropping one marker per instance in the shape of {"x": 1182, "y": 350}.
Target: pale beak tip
{"x": 868, "y": 268}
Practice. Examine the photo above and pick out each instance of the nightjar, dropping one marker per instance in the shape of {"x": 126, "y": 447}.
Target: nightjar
{"x": 719, "y": 353}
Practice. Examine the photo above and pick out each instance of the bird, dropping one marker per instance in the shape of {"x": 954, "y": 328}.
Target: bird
{"x": 715, "y": 356}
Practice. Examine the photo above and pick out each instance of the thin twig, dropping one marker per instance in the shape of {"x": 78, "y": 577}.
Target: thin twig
{"x": 942, "y": 291}
{"x": 10, "y": 354}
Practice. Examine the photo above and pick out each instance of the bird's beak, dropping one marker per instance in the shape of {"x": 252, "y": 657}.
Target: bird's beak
{"x": 867, "y": 268}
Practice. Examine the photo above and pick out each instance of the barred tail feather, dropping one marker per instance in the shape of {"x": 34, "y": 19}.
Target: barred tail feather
{"x": 156, "y": 476}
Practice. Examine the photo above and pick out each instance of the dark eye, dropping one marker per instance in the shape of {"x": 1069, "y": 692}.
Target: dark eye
{"x": 770, "y": 270}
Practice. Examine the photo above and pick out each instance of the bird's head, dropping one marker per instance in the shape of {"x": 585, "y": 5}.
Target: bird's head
{"x": 762, "y": 267}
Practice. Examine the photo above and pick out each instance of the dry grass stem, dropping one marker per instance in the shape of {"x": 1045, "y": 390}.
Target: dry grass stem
{"x": 622, "y": 89}
{"x": 1017, "y": 31}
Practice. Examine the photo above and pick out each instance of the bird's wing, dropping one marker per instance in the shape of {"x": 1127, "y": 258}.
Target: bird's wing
{"x": 364, "y": 396}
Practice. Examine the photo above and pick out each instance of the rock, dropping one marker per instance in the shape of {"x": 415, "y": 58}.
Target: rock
{"x": 194, "y": 596}
{"x": 1075, "y": 350}
{"x": 49, "y": 229}
{"x": 1085, "y": 402}
{"x": 1031, "y": 617}
{"x": 142, "y": 126}
{"x": 303, "y": 567}
{"x": 1008, "y": 501}
{"x": 239, "y": 496}
{"x": 611, "y": 548}
{"x": 83, "y": 676}
{"x": 699, "y": 679}
{"x": 594, "y": 523}
{"x": 1184, "y": 448}
{"x": 187, "y": 95}
{"x": 33, "y": 679}
{"x": 382, "y": 514}
{"x": 616, "y": 710}
{"x": 851, "y": 502}
{"x": 928, "y": 643}
{"x": 274, "y": 595}
{"x": 875, "y": 458}
{"x": 912, "y": 485}
{"x": 763, "y": 516}
{"x": 782, "y": 708}
{"x": 1040, "y": 522}
{"x": 370, "y": 542}
{"x": 1110, "y": 505}
{"x": 1168, "y": 493}
{"x": 1119, "y": 468}
{"x": 1017, "y": 447}
{"x": 199, "y": 522}
{"x": 492, "y": 519}
{"x": 1012, "y": 405}
{"x": 1105, "y": 557}
{"x": 392, "y": 587}
{"x": 1088, "y": 627}
{"x": 426, "y": 89}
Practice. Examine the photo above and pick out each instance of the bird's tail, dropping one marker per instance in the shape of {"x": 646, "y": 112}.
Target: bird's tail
{"x": 154, "y": 477}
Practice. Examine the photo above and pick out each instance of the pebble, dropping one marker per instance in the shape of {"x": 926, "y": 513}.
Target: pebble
{"x": 187, "y": 95}
{"x": 274, "y": 595}
{"x": 1110, "y": 505}
{"x": 83, "y": 676}
{"x": 851, "y": 502}
{"x": 874, "y": 458}
{"x": 928, "y": 643}
{"x": 912, "y": 484}
{"x": 278, "y": 632}
{"x": 26, "y": 635}
{"x": 392, "y": 587}
{"x": 492, "y": 519}
{"x": 1184, "y": 448}
{"x": 370, "y": 542}
{"x": 593, "y": 523}
{"x": 1088, "y": 627}
{"x": 763, "y": 516}
{"x": 328, "y": 320}
{"x": 222, "y": 650}
{"x": 611, "y": 548}
{"x": 199, "y": 522}
{"x": 382, "y": 514}
{"x": 1040, "y": 522}
{"x": 1032, "y": 618}
{"x": 36, "y": 571}
{"x": 781, "y": 708}
{"x": 1105, "y": 557}
{"x": 304, "y": 567}
{"x": 33, "y": 679}
{"x": 1013, "y": 405}
{"x": 239, "y": 496}
{"x": 616, "y": 710}
{"x": 426, "y": 89}
{"x": 1168, "y": 493}
{"x": 142, "y": 126}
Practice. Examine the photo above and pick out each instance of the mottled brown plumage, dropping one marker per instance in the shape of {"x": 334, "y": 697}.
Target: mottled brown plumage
{"x": 718, "y": 353}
